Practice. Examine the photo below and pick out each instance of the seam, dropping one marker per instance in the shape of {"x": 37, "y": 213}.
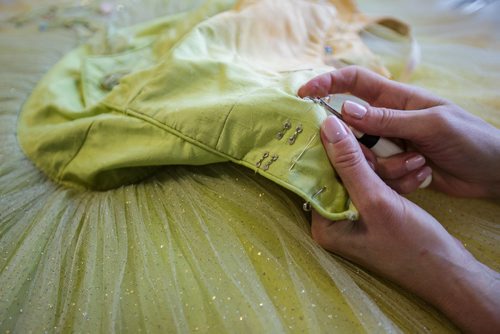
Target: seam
{"x": 123, "y": 53}
{"x": 138, "y": 115}
{"x": 225, "y": 121}
{"x": 128, "y": 111}
{"x": 150, "y": 120}
{"x": 59, "y": 177}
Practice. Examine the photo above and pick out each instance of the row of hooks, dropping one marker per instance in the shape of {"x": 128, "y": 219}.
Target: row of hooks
{"x": 266, "y": 166}
{"x": 287, "y": 125}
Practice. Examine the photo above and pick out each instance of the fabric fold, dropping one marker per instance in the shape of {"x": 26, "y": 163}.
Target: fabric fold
{"x": 221, "y": 92}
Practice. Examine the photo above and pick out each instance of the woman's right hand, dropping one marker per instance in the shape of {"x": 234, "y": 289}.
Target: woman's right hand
{"x": 462, "y": 150}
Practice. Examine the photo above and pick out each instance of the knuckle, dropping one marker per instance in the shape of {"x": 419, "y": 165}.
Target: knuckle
{"x": 352, "y": 74}
{"x": 349, "y": 158}
{"x": 438, "y": 116}
{"x": 384, "y": 117}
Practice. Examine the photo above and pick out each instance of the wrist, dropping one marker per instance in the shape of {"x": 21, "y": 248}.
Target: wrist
{"x": 462, "y": 288}
{"x": 470, "y": 296}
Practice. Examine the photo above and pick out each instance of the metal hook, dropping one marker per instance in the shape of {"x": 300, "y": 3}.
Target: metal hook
{"x": 264, "y": 156}
{"x": 273, "y": 159}
{"x": 287, "y": 125}
{"x": 293, "y": 137}
{"x": 307, "y": 205}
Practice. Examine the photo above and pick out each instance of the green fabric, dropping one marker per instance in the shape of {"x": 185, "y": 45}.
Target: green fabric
{"x": 151, "y": 256}
{"x": 190, "y": 100}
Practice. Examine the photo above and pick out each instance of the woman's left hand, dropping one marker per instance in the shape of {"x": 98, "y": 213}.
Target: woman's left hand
{"x": 399, "y": 240}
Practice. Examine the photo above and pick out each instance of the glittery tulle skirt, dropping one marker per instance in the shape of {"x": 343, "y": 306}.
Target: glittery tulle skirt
{"x": 213, "y": 248}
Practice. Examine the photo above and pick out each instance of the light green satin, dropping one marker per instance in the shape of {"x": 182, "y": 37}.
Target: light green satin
{"x": 187, "y": 94}
{"x": 151, "y": 256}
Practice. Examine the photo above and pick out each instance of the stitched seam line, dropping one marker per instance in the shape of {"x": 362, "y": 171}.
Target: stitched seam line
{"x": 148, "y": 119}
{"x": 59, "y": 177}
{"x": 225, "y": 121}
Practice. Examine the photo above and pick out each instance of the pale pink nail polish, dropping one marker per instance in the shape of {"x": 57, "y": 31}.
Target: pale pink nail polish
{"x": 414, "y": 162}
{"x": 354, "y": 109}
{"x": 333, "y": 129}
{"x": 423, "y": 174}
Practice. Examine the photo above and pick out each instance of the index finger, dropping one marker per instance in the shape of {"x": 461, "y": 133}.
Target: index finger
{"x": 373, "y": 88}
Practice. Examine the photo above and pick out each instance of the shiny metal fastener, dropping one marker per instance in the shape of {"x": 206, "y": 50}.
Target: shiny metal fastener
{"x": 293, "y": 137}
{"x": 264, "y": 157}
{"x": 307, "y": 205}
{"x": 273, "y": 159}
{"x": 286, "y": 126}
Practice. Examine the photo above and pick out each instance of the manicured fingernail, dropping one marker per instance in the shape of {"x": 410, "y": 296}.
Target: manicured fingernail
{"x": 333, "y": 129}
{"x": 423, "y": 174}
{"x": 414, "y": 162}
{"x": 354, "y": 109}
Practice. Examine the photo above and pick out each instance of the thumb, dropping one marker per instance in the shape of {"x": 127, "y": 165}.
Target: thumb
{"x": 404, "y": 124}
{"x": 346, "y": 156}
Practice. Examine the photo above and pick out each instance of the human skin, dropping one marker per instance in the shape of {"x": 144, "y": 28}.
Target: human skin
{"x": 394, "y": 237}
{"x": 462, "y": 150}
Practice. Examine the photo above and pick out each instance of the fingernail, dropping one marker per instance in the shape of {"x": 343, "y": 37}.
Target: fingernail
{"x": 414, "y": 162}
{"x": 354, "y": 109}
{"x": 423, "y": 174}
{"x": 333, "y": 129}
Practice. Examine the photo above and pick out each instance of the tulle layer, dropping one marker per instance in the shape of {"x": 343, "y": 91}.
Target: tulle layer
{"x": 213, "y": 248}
